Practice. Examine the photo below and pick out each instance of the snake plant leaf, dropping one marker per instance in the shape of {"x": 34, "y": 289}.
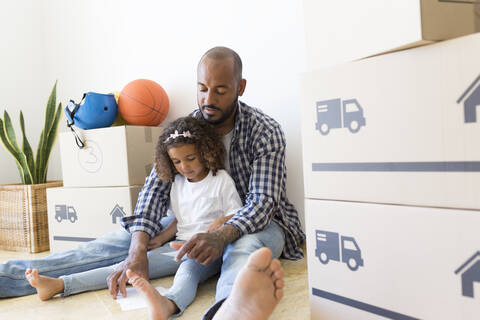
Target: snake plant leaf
{"x": 41, "y": 158}
{"x": 51, "y": 138}
{"x": 38, "y": 158}
{"x": 50, "y": 111}
{"x": 27, "y": 149}
{"x": 12, "y": 139}
{"x": 11, "y": 150}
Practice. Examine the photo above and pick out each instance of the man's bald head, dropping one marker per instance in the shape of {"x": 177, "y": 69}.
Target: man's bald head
{"x": 222, "y": 53}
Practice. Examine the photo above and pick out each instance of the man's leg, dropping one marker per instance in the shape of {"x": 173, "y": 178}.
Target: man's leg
{"x": 257, "y": 290}
{"x": 236, "y": 256}
{"x": 107, "y": 250}
{"x": 104, "y": 251}
{"x": 159, "y": 265}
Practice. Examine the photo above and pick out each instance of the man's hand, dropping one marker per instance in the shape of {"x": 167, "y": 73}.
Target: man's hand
{"x": 136, "y": 261}
{"x": 207, "y": 247}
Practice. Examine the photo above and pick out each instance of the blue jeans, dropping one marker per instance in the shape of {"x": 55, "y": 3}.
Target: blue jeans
{"x": 87, "y": 267}
{"x": 236, "y": 255}
{"x": 188, "y": 275}
{"x": 102, "y": 252}
{"x": 159, "y": 265}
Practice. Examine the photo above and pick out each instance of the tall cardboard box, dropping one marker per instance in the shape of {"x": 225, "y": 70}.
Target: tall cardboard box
{"x": 114, "y": 156}
{"x": 373, "y": 261}
{"x": 340, "y": 31}
{"x": 401, "y": 128}
{"x": 79, "y": 215}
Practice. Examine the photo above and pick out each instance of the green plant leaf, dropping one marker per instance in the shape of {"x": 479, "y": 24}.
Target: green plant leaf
{"x": 41, "y": 164}
{"x": 39, "y": 157}
{"x": 50, "y": 111}
{"x": 51, "y": 138}
{"x": 11, "y": 150}
{"x": 27, "y": 149}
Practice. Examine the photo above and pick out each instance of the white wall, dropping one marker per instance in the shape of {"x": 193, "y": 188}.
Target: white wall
{"x": 102, "y": 45}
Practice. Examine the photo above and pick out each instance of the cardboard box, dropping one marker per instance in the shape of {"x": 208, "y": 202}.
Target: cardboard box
{"x": 370, "y": 261}
{"x": 398, "y": 128}
{"x": 341, "y": 31}
{"x": 114, "y": 156}
{"x": 79, "y": 215}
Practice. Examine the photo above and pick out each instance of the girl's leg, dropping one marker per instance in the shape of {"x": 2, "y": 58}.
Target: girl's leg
{"x": 185, "y": 284}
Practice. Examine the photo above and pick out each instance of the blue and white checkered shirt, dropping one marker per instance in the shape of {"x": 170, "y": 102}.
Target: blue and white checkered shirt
{"x": 257, "y": 165}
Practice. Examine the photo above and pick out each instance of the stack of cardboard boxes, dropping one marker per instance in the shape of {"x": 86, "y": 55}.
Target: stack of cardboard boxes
{"x": 101, "y": 182}
{"x": 391, "y": 157}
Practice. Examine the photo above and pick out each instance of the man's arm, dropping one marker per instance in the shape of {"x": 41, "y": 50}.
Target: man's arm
{"x": 143, "y": 225}
{"x": 266, "y": 183}
{"x": 136, "y": 261}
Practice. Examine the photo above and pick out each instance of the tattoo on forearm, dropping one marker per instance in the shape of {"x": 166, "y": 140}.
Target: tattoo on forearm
{"x": 228, "y": 234}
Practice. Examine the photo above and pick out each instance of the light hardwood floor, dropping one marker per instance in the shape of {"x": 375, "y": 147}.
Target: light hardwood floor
{"x": 99, "y": 304}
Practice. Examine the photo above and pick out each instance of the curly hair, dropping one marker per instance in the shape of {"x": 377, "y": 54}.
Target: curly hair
{"x": 207, "y": 142}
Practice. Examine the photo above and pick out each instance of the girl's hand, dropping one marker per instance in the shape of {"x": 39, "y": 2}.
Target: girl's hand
{"x": 218, "y": 223}
{"x": 156, "y": 241}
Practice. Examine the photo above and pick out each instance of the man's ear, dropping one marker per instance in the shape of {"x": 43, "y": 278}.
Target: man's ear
{"x": 241, "y": 86}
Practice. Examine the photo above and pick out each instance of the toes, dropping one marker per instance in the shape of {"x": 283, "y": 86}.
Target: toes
{"x": 275, "y": 265}
{"x": 279, "y": 284}
{"x": 260, "y": 259}
{"x": 279, "y": 294}
{"x": 277, "y": 274}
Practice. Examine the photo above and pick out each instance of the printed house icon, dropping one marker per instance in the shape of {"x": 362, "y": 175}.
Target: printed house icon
{"x": 470, "y": 274}
{"x": 471, "y": 102}
{"x": 117, "y": 212}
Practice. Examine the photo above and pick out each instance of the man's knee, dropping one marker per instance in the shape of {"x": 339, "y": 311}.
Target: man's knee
{"x": 272, "y": 237}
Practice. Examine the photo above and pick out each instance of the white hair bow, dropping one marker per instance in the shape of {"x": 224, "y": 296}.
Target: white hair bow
{"x": 175, "y": 135}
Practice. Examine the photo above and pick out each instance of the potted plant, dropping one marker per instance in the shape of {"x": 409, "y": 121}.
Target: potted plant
{"x": 23, "y": 207}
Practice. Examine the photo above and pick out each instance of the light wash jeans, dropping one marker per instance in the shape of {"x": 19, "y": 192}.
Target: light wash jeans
{"x": 102, "y": 252}
{"x": 236, "y": 255}
{"x": 189, "y": 274}
{"x": 87, "y": 267}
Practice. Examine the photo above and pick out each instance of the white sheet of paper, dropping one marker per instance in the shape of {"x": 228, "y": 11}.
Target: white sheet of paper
{"x": 134, "y": 299}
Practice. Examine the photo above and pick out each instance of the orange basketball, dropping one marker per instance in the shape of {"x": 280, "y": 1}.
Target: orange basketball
{"x": 143, "y": 102}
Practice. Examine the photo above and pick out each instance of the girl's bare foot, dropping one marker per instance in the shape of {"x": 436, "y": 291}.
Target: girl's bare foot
{"x": 159, "y": 307}
{"x": 46, "y": 287}
{"x": 257, "y": 289}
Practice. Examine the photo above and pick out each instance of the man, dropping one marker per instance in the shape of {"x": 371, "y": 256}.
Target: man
{"x": 256, "y": 161}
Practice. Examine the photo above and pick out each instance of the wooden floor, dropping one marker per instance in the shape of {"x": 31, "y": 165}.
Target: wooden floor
{"x": 99, "y": 304}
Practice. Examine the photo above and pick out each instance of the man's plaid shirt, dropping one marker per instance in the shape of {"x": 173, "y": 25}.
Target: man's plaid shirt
{"x": 257, "y": 165}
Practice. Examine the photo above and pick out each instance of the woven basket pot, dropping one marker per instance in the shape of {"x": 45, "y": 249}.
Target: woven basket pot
{"x": 23, "y": 217}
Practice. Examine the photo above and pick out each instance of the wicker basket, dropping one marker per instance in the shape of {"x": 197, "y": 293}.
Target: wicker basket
{"x": 23, "y": 217}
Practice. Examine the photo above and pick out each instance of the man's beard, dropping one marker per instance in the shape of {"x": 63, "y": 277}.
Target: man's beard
{"x": 224, "y": 115}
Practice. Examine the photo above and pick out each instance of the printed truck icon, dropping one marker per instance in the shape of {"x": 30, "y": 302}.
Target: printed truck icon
{"x": 328, "y": 248}
{"x": 64, "y": 212}
{"x": 336, "y": 113}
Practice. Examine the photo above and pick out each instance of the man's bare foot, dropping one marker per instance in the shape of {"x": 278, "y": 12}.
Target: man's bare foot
{"x": 46, "y": 287}
{"x": 159, "y": 307}
{"x": 256, "y": 291}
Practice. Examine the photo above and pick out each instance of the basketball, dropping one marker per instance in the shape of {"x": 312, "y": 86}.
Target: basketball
{"x": 143, "y": 102}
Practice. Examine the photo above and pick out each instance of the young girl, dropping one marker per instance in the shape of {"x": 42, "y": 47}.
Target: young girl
{"x": 202, "y": 197}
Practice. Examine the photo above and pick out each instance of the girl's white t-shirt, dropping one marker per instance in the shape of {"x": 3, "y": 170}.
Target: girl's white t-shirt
{"x": 196, "y": 205}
